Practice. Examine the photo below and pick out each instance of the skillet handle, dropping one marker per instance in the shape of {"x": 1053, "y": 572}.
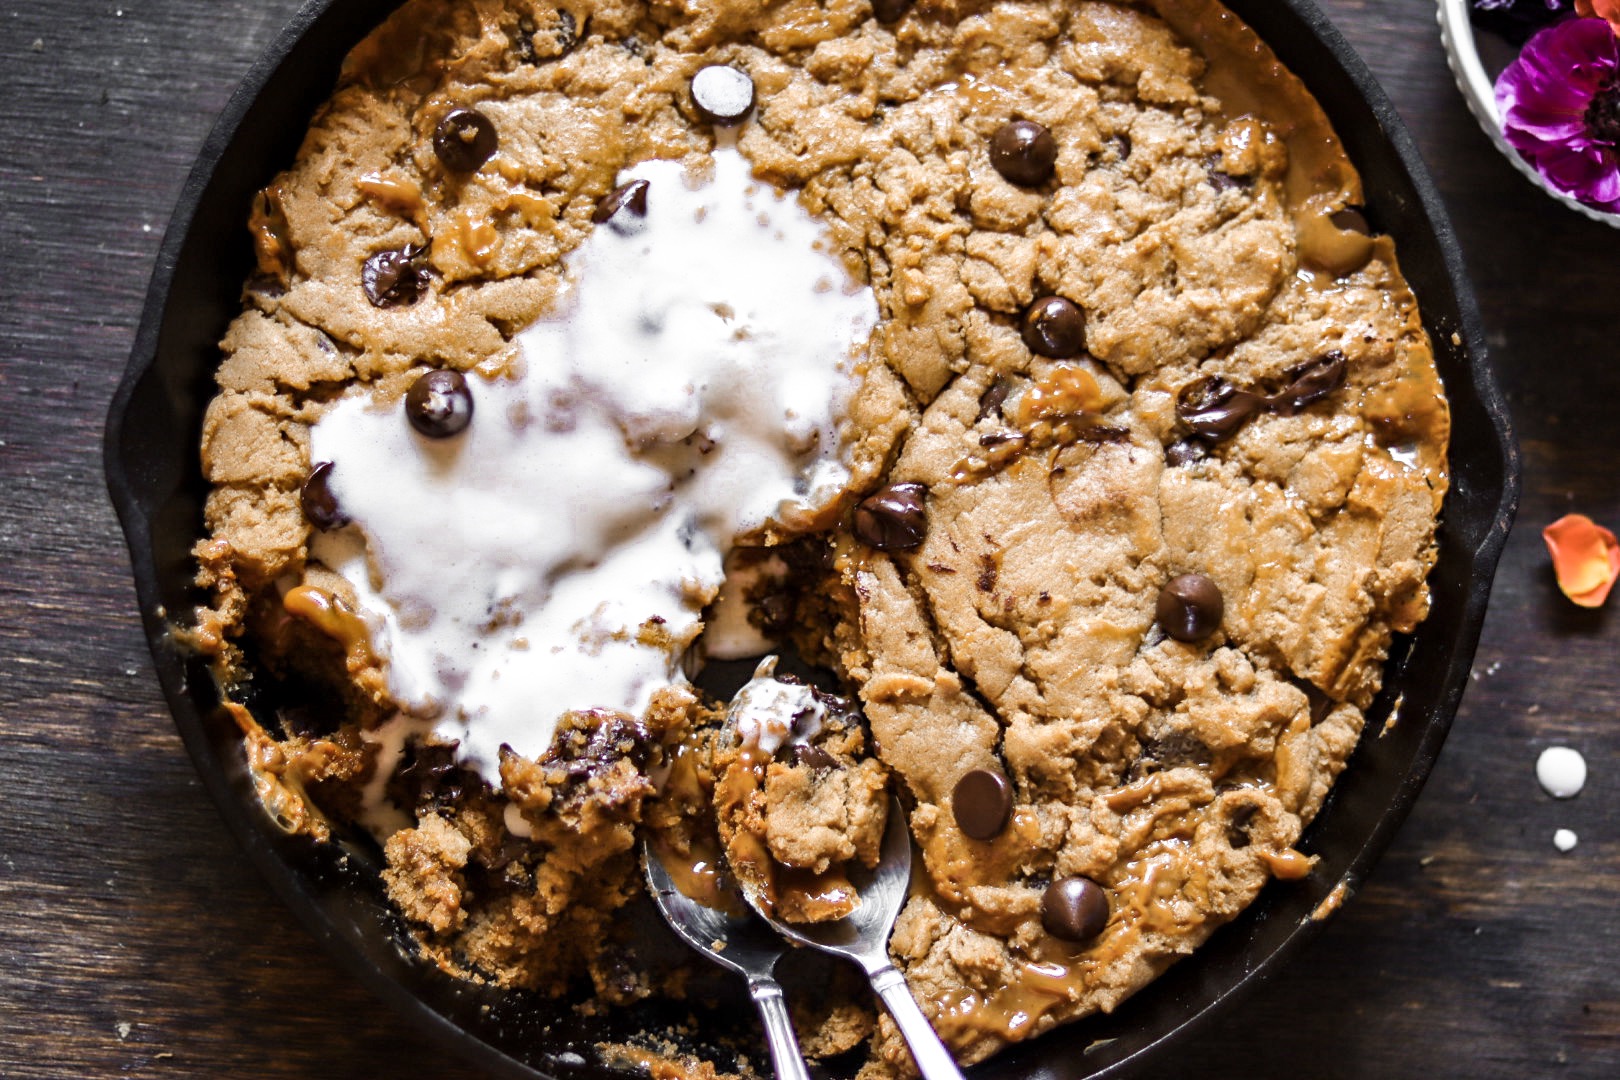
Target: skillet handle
{"x": 933, "y": 1060}
{"x": 786, "y": 1058}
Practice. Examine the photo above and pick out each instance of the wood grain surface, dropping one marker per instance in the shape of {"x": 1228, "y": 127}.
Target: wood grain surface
{"x": 135, "y": 940}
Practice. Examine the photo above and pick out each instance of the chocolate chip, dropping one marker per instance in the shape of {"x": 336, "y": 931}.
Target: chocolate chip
{"x": 523, "y": 41}
{"x": 1221, "y": 180}
{"x": 429, "y": 775}
{"x": 1074, "y": 909}
{"x": 439, "y": 404}
{"x": 320, "y": 505}
{"x": 893, "y": 518}
{"x": 1351, "y": 219}
{"x": 1190, "y": 607}
{"x": 775, "y": 614}
{"x": 1214, "y": 408}
{"x": 890, "y": 11}
{"x": 722, "y": 95}
{"x": 1185, "y": 452}
{"x": 988, "y": 572}
{"x": 1174, "y": 750}
{"x": 1024, "y": 152}
{"x": 394, "y": 278}
{"x": 1093, "y": 432}
{"x": 1310, "y": 382}
{"x": 1237, "y": 829}
{"x": 567, "y": 32}
{"x": 982, "y": 803}
{"x": 1122, "y": 146}
{"x": 464, "y": 140}
{"x": 991, "y": 401}
{"x": 1055, "y": 327}
{"x": 813, "y": 756}
{"x": 593, "y": 740}
{"x": 631, "y": 197}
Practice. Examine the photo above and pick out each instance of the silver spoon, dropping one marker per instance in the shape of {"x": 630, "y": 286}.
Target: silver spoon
{"x": 741, "y": 943}
{"x": 863, "y": 936}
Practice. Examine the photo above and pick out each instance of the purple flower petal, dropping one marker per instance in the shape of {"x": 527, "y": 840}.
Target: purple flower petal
{"x": 1543, "y": 98}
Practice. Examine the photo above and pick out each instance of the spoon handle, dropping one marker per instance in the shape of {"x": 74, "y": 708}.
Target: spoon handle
{"x": 786, "y": 1058}
{"x": 933, "y": 1060}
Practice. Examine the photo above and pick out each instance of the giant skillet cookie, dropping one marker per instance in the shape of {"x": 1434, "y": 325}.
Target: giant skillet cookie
{"x": 1026, "y": 369}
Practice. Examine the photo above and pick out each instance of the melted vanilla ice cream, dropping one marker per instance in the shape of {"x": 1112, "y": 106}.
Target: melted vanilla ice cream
{"x": 555, "y": 556}
{"x": 769, "y": 712}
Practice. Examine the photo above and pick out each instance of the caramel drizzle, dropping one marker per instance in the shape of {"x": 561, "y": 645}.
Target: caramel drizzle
{"x": 1145, "y": 894}
{"x": 402, "y": 195}
{"x": 1062, "y": 406}
{"x": 790, "y": 892}
{"x": 700, "y": 875}
{"x": 333, "y": 618}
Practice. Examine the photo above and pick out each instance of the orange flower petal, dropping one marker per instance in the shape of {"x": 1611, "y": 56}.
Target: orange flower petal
{"x": 1586, "y": 558}
{"x": 1603, "y": 9}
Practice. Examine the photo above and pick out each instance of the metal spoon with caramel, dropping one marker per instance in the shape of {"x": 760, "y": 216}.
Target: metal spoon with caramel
{"x": 734, "y": 939}
{"x": 863, "y": 936}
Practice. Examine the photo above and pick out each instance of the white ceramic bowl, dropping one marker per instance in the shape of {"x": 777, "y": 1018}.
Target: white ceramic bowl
{"x": 1477, "y": 81}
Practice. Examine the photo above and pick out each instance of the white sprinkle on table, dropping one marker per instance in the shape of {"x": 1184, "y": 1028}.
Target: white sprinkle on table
{"x": 1562, "y": 771}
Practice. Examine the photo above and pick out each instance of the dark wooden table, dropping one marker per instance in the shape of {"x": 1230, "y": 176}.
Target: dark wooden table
{"x": 136, "y": 940}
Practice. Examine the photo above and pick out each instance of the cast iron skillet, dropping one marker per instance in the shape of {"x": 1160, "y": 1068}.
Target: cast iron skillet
{"x": 156, "y": 485}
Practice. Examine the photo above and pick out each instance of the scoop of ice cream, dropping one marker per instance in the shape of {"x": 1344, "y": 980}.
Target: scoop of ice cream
{"x": 554, "y": 554}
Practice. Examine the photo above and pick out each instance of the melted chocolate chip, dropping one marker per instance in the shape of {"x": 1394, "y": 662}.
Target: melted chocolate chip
{"x": 596, "y": 739}
{"x": 1185, "y": 452}
{"x": 994, "y": 396}
{"x": 1093, "y": 432}
{"x": 523, "y": 41}
{"x": 813, "y": 756}
{"x": 429, "y": 775}
{"x": 1214, "y": 408}
{"x": 395, "y": 278}
{"x": 1221, "y": 180}
{"x": 1024, "y": 152}
{"x": 775, "y": 614}
{"x": 982, "y": 803}
{"x": 567, "y": 32}
{"x": 1351, "y": 219}
{"x": 631, "y": 197}
{"x": 464, "y": 140}
{"x": 1174, "y": 750}
{"x": 1310, "y": 382}
{"x": 723, "y": 95}
{"x": 1237, "y": 830}
{"x": 1074, "y": 909}
{"x": 890, "y": 11}
{"x": 893, "y": 518}
{"x": 1055, "y": 327}
{"x": 1190, "y": 607}
{"x": 439, "y": 404}
{"x": 319, "y": 504}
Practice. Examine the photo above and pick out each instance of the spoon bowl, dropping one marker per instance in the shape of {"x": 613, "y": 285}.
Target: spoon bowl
{"x": 739, "y": 942}
{"x": 863, "y": 936}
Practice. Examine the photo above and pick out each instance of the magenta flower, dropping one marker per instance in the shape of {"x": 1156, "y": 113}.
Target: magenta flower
{"x": 1560, "y": 107}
